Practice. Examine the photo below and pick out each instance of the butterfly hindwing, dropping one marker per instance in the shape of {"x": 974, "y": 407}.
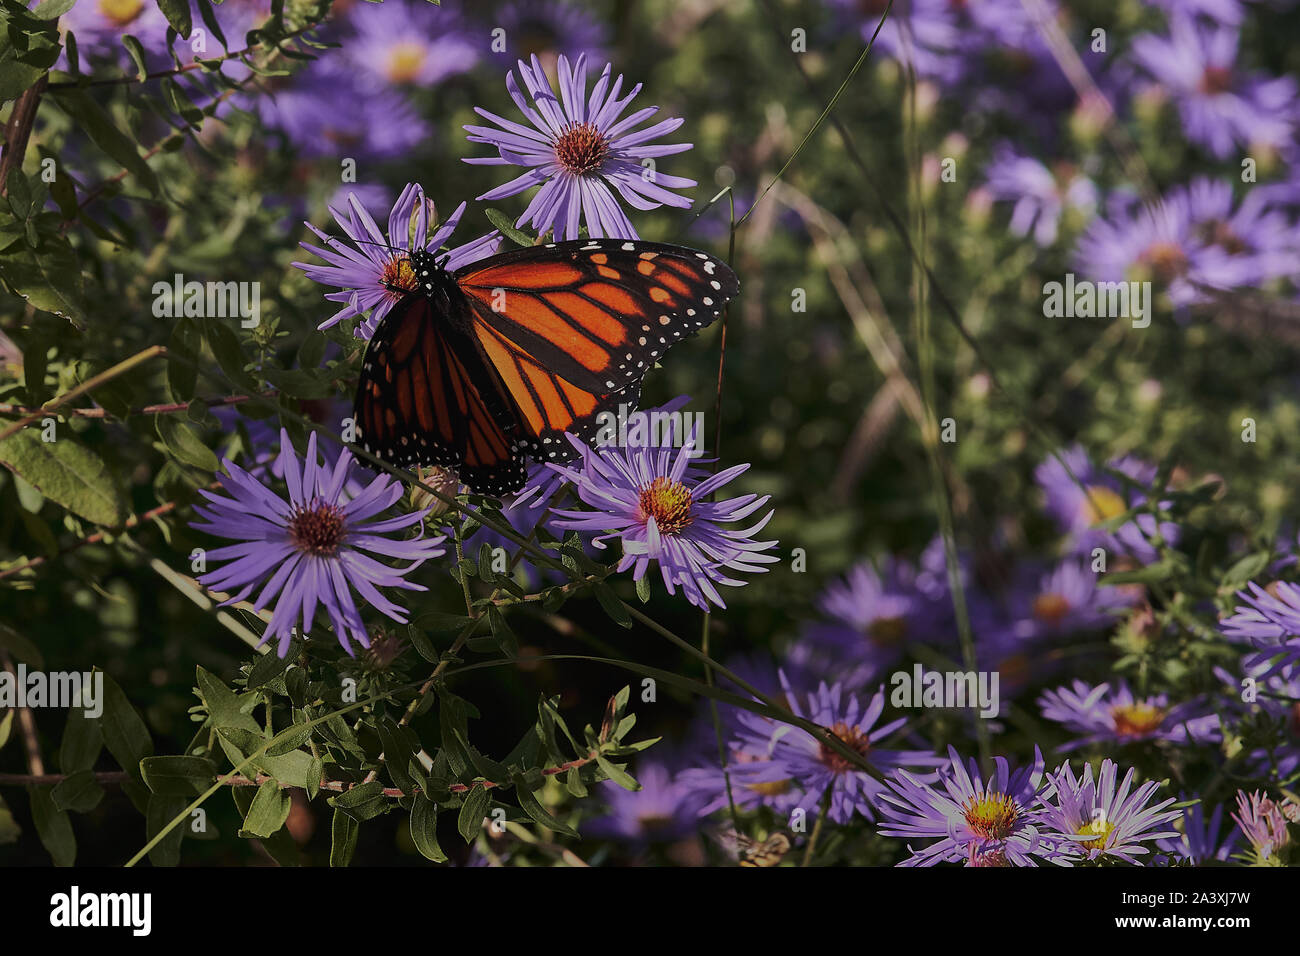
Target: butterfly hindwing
{"x": 426, "y": 398}
{"x": 547, "y": 405}
{"x": 598, "y": 312}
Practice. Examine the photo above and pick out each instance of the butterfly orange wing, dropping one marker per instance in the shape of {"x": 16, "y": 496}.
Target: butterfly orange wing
{"x": 426, "y": 398}
{"x": 596, "y": 313}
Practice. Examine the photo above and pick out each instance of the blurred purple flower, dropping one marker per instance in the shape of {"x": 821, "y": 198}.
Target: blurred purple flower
{"x": 547, "y": 27}
{"x": 1270, "y": 620}
{"x": 1041, "y": 196}
{"x": 1201, "y": 840}
{"x": 408, "y": 43}
{"x": 1081, "y": 498}
{"x": 309, "y": 549}
{"x": 1091, "y": 818}
{"x": 1062, "y": 601}
{"x": 662, "y": 811}
{"x": 813, "y": 769}
{"x": 1112, "y": 714}
{"x": 330, "y": 110}
{"x": 580, "y": 152}
{"x": 1222, "y": 106}
{"x": 375, "y": 273}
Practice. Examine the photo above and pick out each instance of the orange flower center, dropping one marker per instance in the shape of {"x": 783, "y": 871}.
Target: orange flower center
{"x": 581, "y": 148}
{"x": 1051, "y": 608}
{"x": 398, "y": 277}
{"x": 853, "y": 738}
{"x": 669, "y": 503}
{"x": 1166, "y": 259}
{"x": 405, "y": 60}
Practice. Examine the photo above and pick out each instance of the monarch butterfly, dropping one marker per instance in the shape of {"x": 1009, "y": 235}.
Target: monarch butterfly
{"x": 483, "y": 368}
{"x": 749, "y": 852}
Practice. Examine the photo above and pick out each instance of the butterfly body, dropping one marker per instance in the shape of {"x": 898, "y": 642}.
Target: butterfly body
{"x": 486, "y": 367}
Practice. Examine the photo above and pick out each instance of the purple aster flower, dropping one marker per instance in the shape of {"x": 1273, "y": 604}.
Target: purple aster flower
{"x": 1103, "y": 713}
{"x": 971, "y": 820}
{"x": 1222, "y": 106}
{"x": 1062, "y": 601}
{"x": 1082, "y": 498}
{"x": 1270, "y": 620}
{"x": 1201, "y": 840}
{"x": 1244, "y": 246}
{"x": 662, "y": 811}
{"x": 871, "y": 616}
{"x": 648, "y": 498}
{"x": 329, "y": 109}
{"x": 311, "y": 548}
{"x": 1223, "y": 11}
{"x": 545, "y": 28}
{"x": 1041, "y": 195}
{"x": 99, "y": 26}
{"x": 376, "y": 274}
{"x": 814, "y": 769}
{"x": 1264, "y": 825}
{"x": 408, "y": 43}
{"x": 580, "y": 152}
{"x": 1091, "y": 819}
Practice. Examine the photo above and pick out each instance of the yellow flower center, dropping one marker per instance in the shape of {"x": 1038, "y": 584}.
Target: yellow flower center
{"x": 398, "y": 277}
{"x": 1099, "y": 830}
{"x": 668, "y": 502}
{"x": 1101, "y": 504}
{"x": 405, "y": 60}
{"x": 772, "y": 788}
{"x": 991, "y": 816}
{"x": 121, "y": 12}
{"x": 1137, "y": 719}
{"x": 581, "y": 148}
{"x": 1051, "y": 608}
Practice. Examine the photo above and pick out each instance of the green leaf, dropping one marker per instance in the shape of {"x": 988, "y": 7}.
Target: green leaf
{"x": 21, "y": 648}
{"x": 125, "y": 734}
{"x": 48, "y": 277}
{"x": 161, "y": 811}
{"x": 83, "y": 739}
{"x": 397, "y": 754}
{"x": 178, "y": 15}
{"x": 363, "y": 802}
{"x": 343, "y": 838}
{"x": 79, "y": 792}
{"x": 93, "y": 120}
{"x": 53, "y": 827}
{"x": 229, "y": 354}
{"x": 472, "y": 812}
{"x": 507, "y": 227}
{"x": 620, "y": 777}
{"x": 10, "y": 831}
{"x": 529, "y": 803}
{"x": 183, "y": 441}
{"x": 6, "y": 727}
{"x": 1245, "y": 569}
{"x": 611, "y": 604}
{"x": 225, "y": 707}
{"x": 643, "y": 588}
{"x": 424, "y": 831}
{"x": 269, "y": 810}
{"x": 178, "y": 776}
{"x": 136, "y": 52}
{"x": 66, "y": 472}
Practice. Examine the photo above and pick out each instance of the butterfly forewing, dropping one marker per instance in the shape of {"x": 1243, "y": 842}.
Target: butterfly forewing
{"x": 598, "y": 313}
